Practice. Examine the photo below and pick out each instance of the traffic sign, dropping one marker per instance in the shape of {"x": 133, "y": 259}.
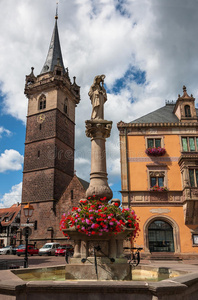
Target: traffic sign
{"x": 25, "y": 230}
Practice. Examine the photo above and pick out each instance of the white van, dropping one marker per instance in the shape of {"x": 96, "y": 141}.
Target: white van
{"x": 49, "y": 249}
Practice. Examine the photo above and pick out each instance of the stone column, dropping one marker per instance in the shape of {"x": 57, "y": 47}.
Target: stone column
{"x": 98, "y": 130}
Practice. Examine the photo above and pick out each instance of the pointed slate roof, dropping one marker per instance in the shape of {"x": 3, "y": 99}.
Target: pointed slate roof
{"x": 84, "y": 183}
{"x": 162, "y": 115}
{"x": 54, "y": 55}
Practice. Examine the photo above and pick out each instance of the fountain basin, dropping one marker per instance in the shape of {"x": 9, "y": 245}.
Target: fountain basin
{"x": 139, "y": 273}
{"x": 182, "y": 287}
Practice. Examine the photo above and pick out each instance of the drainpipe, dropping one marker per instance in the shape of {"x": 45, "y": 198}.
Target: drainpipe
{"x": 127, "y": 165}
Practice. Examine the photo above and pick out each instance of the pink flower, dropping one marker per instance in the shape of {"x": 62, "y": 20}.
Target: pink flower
{"x": 88, "y": 221}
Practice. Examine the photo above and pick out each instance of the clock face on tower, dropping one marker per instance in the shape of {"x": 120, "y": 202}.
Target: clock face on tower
{"x": 41, "y": 118}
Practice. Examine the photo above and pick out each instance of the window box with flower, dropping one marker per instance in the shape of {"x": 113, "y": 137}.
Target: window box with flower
{"x": 155, "y": 151}
{"x": 157, "y": 188}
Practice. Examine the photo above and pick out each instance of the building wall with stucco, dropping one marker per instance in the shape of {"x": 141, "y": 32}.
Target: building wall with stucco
{"x": 175, "y": 206}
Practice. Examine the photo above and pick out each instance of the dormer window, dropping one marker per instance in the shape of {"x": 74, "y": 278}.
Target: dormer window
{"x": 187, "y": 111}
{"x": 42, "y": 102}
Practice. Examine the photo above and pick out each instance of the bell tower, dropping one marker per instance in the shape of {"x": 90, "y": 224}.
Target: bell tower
{"x": 50, "y": 131}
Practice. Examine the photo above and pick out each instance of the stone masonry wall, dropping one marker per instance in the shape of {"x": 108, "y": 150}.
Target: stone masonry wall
{"x": 49, "y": 213}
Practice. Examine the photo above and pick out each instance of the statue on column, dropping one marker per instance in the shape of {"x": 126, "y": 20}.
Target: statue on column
{"x": 98, "y": 96}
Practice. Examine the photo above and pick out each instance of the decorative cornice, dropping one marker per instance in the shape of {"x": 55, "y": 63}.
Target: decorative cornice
{"x": 121, "y": 125}
{"x": 187, "y": 156}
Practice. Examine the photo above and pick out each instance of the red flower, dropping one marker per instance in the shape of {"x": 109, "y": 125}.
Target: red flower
{"x": 103, "y": 199}
{"x": 95, "y": 218}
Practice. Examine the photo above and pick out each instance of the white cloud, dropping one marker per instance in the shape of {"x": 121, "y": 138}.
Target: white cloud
{"x": 4, "y": 131}
{"x": 10, "y": 160}
{"x": 103, "y": 37}
{"x": 12, "y": 197}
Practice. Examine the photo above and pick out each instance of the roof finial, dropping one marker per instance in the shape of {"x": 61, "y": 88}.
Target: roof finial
{"x": 56, "y": 16}
{"x": 184, "y": 88}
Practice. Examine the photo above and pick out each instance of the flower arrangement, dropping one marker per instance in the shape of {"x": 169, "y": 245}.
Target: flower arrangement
{"x": 155, "y": 151}
{"x": 94, "y": 217}
{"x": 157, "y": 188}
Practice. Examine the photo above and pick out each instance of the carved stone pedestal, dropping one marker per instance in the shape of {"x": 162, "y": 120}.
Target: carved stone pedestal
{"x": 98, "y": 130}
{"x": 111, "y": 263}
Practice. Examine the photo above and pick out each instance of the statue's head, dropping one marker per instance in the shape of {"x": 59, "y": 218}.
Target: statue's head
{"x": 98, "y": 79}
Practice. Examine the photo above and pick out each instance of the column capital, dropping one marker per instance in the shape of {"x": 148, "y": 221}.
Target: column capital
{"x": 98, "y": 128}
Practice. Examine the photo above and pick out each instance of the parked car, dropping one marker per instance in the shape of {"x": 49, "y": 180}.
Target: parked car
{"x": 63, "y": 248}
{"x": 14, "y": 250}
{"x": 49, "y": 249}
{"x": 6, "y": 250}
{"x": 31, "y": 250}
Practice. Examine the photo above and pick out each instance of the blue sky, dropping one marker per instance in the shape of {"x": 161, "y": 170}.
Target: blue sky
{"x": 15, "y": 141}
{"x": 146, "y": 48}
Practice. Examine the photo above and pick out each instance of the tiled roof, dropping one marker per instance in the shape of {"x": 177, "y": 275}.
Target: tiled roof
{"x": 10, "y": 212}
{"x": 162, "y": 115}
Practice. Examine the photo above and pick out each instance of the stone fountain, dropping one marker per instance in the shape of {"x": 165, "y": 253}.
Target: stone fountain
{"x": 98, "y": 257}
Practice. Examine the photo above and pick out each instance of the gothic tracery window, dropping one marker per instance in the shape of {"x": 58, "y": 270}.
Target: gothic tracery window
{"x": 42, "y": 102}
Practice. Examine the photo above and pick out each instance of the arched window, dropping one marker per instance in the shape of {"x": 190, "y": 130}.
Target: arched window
{"x": 42, "y": 102}
{"x": 160, "y": 235}
{"x": 187, "y": 111}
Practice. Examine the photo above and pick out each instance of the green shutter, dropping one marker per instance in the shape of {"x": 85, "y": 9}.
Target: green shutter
{"x": 184, "y": 144}
{"x": 150, "y": 143}
{"x": 192, "y": 179}
{"x": 192, "y": 143}
{"x": 157, "y": 143}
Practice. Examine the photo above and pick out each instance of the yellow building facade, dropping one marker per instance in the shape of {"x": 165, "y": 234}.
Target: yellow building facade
{"x": 159, "y": 175}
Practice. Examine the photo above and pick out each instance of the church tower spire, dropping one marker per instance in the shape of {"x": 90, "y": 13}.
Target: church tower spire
{"x": 50, "y": 138}
{"x": 54, "y": 55}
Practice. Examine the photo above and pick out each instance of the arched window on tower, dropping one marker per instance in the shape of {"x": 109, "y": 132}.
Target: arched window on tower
{"x": 187, "y": 111}
{"x": 66, "y": 106}
{"x": 42, "y": 102}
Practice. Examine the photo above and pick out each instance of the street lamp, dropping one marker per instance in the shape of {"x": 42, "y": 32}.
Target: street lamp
{"x": 28, "y": 211}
